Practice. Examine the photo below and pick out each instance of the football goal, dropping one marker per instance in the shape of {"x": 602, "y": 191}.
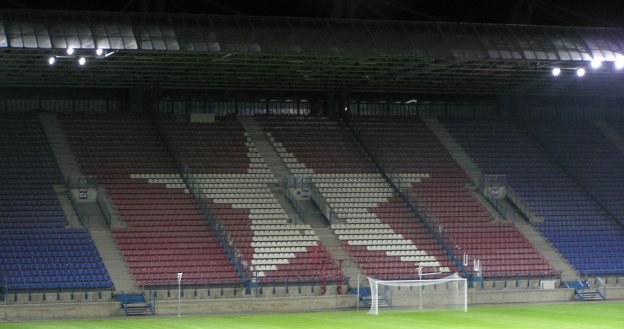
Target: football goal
{"x": 450, "y": 292}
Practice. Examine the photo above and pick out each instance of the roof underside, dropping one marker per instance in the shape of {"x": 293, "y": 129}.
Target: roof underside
{"x": 265, "y": 53}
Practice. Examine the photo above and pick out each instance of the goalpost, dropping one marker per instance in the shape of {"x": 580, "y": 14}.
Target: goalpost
{"x": 450, "y": 292}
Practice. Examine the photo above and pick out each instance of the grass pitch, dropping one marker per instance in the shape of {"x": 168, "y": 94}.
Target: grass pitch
{"x": 560, "y": 316}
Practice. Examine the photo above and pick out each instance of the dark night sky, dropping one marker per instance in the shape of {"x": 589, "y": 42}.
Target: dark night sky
{"x": 546, "y": 12}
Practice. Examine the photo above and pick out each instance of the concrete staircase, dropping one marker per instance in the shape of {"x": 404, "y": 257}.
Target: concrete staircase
{"x": 468, "y": 166}
{"x": 113, "y": 260}
{"x": 56, "y": 137}
{"x": 326, "y": 235}
{"x": 94, "y": 220}
{"x": 454, "y": 149}
{"x": 62, "y": 194}
{"x": 264, "y": 147}
{"x": 545, "y": 248}
{"x": 313, "y": 215}
{"x": 286, "y": 205}
{"x": 273, "y": 161}
{"x": 349, "y": 267}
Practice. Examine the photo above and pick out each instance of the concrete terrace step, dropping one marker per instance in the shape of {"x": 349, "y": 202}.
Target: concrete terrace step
{"x": 58, "y": 142}
{"x": 115, "y": 263}
{"x": 264, "y": 147}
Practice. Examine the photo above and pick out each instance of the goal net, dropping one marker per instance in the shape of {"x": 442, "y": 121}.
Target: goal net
{"x": 450, "y": 292}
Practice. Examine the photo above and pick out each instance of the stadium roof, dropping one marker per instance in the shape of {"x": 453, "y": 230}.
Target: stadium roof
{"x": 309, "y": 54}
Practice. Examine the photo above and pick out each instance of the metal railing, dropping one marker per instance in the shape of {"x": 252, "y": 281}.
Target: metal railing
{"x": 111, "y": 215}
{"x": 487, "y": 181}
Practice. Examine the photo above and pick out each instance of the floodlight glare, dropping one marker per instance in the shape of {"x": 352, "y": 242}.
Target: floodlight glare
{"x": 596, "y": 63}
{"x": 82, "y": 61}
{"x": 556, "y": 71}
{"x": 580, "y": 72}
{"x": 51, "y": 60}
{"x": 70, "y": 51}
{"x": 619, "y": 62}
{"x": 99, "y": 51}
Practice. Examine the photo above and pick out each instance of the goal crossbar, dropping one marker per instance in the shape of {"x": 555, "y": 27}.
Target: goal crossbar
{"x": 447, "y": 292}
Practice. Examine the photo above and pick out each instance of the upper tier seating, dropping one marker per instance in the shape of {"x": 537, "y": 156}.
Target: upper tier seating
{"x": 165, "y": 232}
{"x": 376, "y": 227}
{"x": 234, "y": 180}
{"x": 36, "y": 250}
{"x": 573, "y": 223}
{"x": 408, "y": 149}
{"x": 589, "y": 157}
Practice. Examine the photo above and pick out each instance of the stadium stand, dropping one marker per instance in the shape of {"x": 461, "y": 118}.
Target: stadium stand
{"x": 583, "y": 150}
{"x": 375, "y": 226}
{"x": 37, "y": 249}
{"x": 408, "y": 149}
{"x": 573, "y": 223}
{"x": 165, "y": 232}
{"x": 233, "y": 179}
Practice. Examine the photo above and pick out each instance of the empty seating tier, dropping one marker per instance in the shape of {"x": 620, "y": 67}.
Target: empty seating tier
{"x": 165, "y": 232}
{"x": 234, "y": 181}
{"x": 36, "y": 250}
{"x": 573, "y": 223}
{"x": 377, "y": 229}
{"x": 415, "y": 159}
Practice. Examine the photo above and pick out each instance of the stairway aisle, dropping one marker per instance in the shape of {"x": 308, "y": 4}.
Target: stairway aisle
{"x": 545, "y": 248}
{"x": 264, "y": 147}
{"x": 114, "y": 261}
{"x": 314, "y": 218}
{"x": 62, "y": 152}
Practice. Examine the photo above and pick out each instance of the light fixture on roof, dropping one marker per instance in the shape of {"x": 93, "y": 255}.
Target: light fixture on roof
{"x": 556, "y": 71}
{"x": 619, "y": 62}
{"x": 596, "y": 63}
{"x": 82, "y": 61}
{"x": 51, "y": 60}
{"x": 580, "y": 72}
{"x": 69, "y": 51}
{"x": 99, "y": 52}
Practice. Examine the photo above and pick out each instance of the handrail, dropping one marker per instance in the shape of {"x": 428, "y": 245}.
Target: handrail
{"x": 315, "y": 195}
{"x": 323, "y": 205}
{"x": 112, "y": 216}
{"x": 486, "y": 180}
{"x": 492, "y": 200}
{"x": 522, "y": 206}
{"x": 82, "y": 217}
{"x": 299, "y": 209}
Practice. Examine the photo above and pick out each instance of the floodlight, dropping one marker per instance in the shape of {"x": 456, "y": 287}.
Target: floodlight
{"x": 596, "y": 63}
{"x": 70, "y": 51}
{"x": 99, "y": 51}
{"x": 580, "y": 72}
{"x": 51, "y": 60}
{"x": 82, "y": 61}
{"x": 619, "y": 62}
{"x": 556, "y": 71}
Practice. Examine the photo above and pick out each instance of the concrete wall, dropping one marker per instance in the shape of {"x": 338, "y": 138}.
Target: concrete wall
{"x": 215, "y": 304}
{"x": 22, "y": 312}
